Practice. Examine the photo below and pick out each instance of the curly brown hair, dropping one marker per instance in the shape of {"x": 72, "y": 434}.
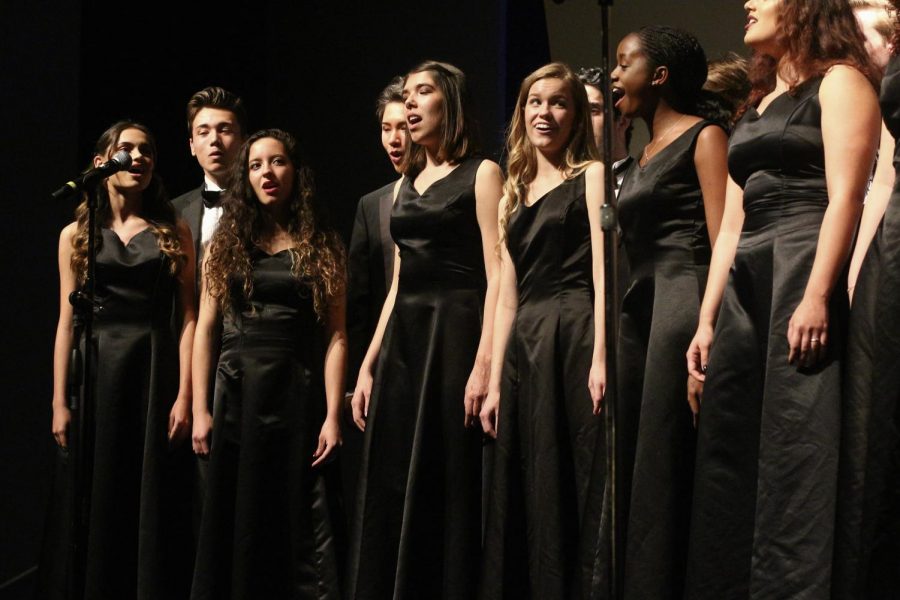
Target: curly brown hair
{"x": 816, "y": 35}
{"x": 318, "y": 256}
{"x": 895, "y": 37}
{"x": 155, "y": 208}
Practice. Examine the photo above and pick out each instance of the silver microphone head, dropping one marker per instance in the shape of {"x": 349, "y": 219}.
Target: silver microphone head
{"x": 122, "y": 158}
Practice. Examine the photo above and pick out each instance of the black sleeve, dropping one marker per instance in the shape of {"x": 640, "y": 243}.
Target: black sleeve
{"x": 359, "y": 294}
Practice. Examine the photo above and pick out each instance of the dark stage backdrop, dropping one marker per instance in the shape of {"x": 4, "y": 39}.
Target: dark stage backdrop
{"x": 69, "y": 68}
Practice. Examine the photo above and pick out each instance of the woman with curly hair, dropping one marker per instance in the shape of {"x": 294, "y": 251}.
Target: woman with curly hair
{"x": 670, "y": 204}
{"x": 138, "y": 537}
{"x": 417, "y": 531}
{"x": 548, "y": 475}
{"x": 274, "y": 277}
{"x": 771, "y": 337}
{"x": 867, "y": 540}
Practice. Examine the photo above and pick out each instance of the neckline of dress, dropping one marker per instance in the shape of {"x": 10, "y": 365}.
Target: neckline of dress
{"x": 548, "y": 192}
{"x": 412, "y": 183}
{"x": 131, "y": 239}
{"x": 778, "y": 98}
{"x": 671, "y": 144}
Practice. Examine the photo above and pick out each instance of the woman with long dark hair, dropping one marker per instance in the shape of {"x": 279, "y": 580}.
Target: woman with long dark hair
{"x": 549, "y": 467}
{"x": 867, "y": 540}
{"x": 138, "y": 536}
{"x": 418, "y": 516}
{"x": 274, "y": 276}
{"x": 670, "y": 206}
{"x": 770, "y": 341}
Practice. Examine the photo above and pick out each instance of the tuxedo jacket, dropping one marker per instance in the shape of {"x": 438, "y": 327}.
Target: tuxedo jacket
{"x": 190, "y": 207}
{"x": 370, "y": 264}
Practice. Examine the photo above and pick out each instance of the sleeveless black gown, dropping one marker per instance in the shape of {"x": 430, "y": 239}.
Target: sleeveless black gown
{"x": 867, "y": 540}
{"x": 139, "y": 533}
{"x": 418, "y": 516}
{"x": 666, "y": 240}
{"x": 546, "y": 496}
{"x": 269, "y": 523}
{"x": 764, "y": 495}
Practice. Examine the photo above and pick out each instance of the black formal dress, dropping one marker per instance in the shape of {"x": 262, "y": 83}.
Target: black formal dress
{"x": 867, "y": 540}
{"x": 666, "y": 240}
{"x": 764, "y": 496}
{"x": 139, "y": 535}
{"x": 546, "y": 496}
{"x": 418, "y": 515}
{"x": 269, "y": 526}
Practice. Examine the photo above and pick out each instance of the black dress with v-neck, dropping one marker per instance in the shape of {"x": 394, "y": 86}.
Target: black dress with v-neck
{"x": 270, "y": 527}
{"x": 418, "y": 515}
{"x": 139, "y": 535}
{"x": 666, "y": 240}
{"x": 546, "y": 495}
{"x": 764, "y": 497}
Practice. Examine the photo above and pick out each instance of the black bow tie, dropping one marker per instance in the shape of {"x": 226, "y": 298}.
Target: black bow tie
{"x": 211, "y": 198}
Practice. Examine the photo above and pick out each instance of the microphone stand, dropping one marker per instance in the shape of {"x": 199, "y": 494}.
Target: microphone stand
{"x": 609, "y": 224}
{"x": 80, "y": 387}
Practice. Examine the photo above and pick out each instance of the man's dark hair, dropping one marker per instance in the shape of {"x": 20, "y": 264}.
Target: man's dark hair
{"x": 216, "y": 97}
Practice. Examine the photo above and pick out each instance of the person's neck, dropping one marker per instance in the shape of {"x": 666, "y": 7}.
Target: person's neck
{"x": 549, "y": 166}
{"x": 123, "y": 207}
{"x": 662, "y": 119}
{"x": 433, "y": 157}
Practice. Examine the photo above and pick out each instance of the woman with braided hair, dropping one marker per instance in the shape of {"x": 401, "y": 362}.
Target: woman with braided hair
{"x": 670, "y": 206}
{"x": 770, "y": 340}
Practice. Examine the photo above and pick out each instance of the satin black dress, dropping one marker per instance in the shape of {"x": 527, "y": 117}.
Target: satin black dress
{"x": 546, "y": 496}
{"x": 270, "y": 525}
{"x": 139, "y": 532}
{"x": 418, "y": 513}
{"x": 867, "y": 540}
{"x": 664, "y": 228}
{"x": 764, "y": 497}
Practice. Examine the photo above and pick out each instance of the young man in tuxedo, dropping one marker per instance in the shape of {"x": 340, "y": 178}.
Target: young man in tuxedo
{"x": 217, "y": 125}
{"x": 370, "y": 264}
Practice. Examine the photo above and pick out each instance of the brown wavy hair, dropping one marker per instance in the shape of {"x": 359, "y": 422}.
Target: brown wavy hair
{"x": 155, "y": 208}
{"x": 816, "y": 35}
{"x": 459, "y": 130}
{"x": 522, "y": 161}
{"x": 317, "y": 254}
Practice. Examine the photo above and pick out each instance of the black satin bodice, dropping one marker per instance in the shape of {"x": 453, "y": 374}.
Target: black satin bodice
{"x": 550, "y": 244}
{"x": 778, "y": 158}
{"x": 661, "y": 207}
{"x": 890, "y": 101}
{"x": 134, "y": 285}
{"x": 438, "y": 234}
{"x": 280, "y": 309}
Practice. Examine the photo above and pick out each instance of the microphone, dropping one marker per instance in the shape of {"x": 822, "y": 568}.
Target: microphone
{"x": 120, "y": 161}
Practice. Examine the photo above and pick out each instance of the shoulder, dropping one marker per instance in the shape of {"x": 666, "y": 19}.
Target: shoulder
{"x": 711, "y": 138}
{"x": 374, "y": 196}
{"x": 68, "y": 232}
{"x": 594, "y": 169}
{"x": 488, "y": 169}
{"x": 837, "y": 74}
{"x": 846, "y": 89}
{"x": 182, "y": 201}
{"x": 182, "y": 228}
